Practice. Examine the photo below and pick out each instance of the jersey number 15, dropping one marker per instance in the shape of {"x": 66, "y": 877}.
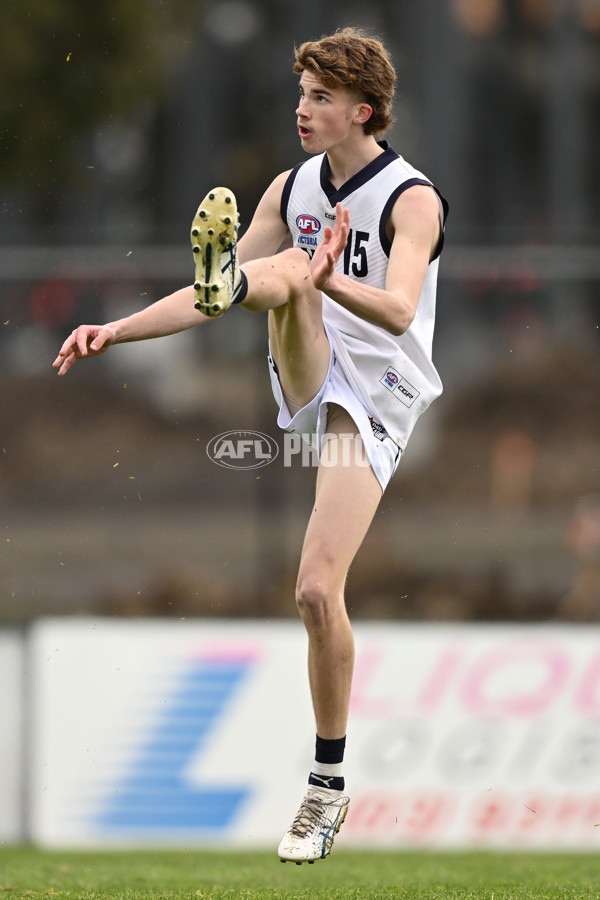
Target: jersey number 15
{"x": 355, "y": 254}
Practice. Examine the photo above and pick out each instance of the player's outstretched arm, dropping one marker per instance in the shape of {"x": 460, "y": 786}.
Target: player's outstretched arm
{"x": 170, "y": 315}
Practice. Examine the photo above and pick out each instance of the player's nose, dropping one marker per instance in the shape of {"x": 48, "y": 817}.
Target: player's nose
{"x": 302, "y": 109}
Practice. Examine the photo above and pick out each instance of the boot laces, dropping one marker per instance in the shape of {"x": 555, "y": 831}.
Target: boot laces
{"x": 308, "y": 817}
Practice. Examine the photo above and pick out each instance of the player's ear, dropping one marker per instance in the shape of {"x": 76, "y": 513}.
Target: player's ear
{"x": 363, "y": 113}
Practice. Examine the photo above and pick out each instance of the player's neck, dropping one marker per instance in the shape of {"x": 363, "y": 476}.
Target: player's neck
{"x": 345, "y": 160}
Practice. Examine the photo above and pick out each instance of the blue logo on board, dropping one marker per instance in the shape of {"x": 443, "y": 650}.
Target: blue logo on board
{"x": 156, "y": 796}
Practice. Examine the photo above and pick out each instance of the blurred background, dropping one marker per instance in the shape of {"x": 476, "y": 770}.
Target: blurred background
{"x": 117, "y": 117}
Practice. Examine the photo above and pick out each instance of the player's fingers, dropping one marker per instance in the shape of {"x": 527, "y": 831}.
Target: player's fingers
{"x": 343, "y": 233}
{"x": 100, "y": 340}
{"x": 342, "y": 225}
{"x": 67, "y": 363}
{"x": 66, "y": 347}
{"x": 340, "y": 240}
{"x": 342, "y": 216}
{"x": 63, "y": 354}
{"x": 345, "y": 226}
{"x": 82, "y": 342}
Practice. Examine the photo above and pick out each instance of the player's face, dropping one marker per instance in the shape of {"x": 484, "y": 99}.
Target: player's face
{"x": 326, "y": 116}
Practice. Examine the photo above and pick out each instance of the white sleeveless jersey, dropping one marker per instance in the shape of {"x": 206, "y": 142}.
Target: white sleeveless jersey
{"x": 393, "y": 376}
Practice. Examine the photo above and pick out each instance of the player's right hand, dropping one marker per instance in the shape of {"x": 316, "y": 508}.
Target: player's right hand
{"x": 325, "y": 257}
{"x": 85, "y": 341}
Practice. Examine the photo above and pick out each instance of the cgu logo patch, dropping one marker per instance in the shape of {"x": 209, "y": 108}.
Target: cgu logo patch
{"x": 308, "y": 224}
{"x": 397, "y": 385}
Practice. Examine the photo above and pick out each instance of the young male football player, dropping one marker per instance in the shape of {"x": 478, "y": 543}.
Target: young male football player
{"x": 351, "y": 310}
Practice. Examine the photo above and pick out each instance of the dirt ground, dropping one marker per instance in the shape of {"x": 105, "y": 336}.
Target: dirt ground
{"x": 113, "y": 507}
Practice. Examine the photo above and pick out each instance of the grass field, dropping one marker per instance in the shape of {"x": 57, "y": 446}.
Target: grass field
{"x": 346, "y": 875}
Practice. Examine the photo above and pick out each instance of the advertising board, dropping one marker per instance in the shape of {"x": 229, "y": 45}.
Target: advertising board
{"x": 11, "y": 741}
{"x": 201, "y": 732}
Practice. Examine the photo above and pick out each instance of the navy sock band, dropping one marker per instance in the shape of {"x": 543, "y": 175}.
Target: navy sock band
{"x": 330, "y": 751}
{"x": 243, "y": 289}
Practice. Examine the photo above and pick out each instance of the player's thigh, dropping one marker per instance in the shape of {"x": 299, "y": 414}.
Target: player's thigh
{"x": 347, "y": 497}
{"x": 300, "y": 348}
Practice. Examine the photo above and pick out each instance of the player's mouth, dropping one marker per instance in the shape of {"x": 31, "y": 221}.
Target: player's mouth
{"x": 304, "y": 132}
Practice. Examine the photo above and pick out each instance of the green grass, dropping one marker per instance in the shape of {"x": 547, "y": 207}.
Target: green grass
{"x": 347, "y": 875}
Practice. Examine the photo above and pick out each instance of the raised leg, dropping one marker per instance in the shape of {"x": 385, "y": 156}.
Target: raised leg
{"x": 282, "y": 284}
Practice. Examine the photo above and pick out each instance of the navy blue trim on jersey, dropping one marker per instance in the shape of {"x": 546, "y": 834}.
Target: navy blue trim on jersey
{"x": 387, "y": 209}
{"x": 338, "y": 195}
{"x": 446, "y": 210}
{"x": 287, "y": 190}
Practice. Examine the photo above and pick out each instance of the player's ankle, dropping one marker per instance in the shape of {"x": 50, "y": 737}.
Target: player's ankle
{"x": 326, "y": 771}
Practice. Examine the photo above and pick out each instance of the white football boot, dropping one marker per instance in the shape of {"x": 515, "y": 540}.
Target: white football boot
{"x": 311, "y": 834}
{"x": 214, "y": 243}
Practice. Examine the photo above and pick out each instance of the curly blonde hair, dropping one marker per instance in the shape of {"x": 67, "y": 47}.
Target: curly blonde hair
{"x": 352, "y": 59}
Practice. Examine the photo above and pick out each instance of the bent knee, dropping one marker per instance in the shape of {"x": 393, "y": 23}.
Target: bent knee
{"x": 297, "y": 266}
{"x": 295, "y": 256}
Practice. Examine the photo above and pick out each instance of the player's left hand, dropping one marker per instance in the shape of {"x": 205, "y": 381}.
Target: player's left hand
{"x": 324, "y": 261}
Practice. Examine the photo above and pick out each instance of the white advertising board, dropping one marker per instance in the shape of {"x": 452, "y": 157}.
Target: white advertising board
{"x": 11, "y": 736}
{"x": 201, "y": 732}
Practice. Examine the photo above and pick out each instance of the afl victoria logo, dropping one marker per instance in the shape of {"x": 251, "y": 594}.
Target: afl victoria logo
{"x": 308, "y": 224}
{"x": 242, "y": 449}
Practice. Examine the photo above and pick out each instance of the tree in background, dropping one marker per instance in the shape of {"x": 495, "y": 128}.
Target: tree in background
{"x": 66, "y": 65}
